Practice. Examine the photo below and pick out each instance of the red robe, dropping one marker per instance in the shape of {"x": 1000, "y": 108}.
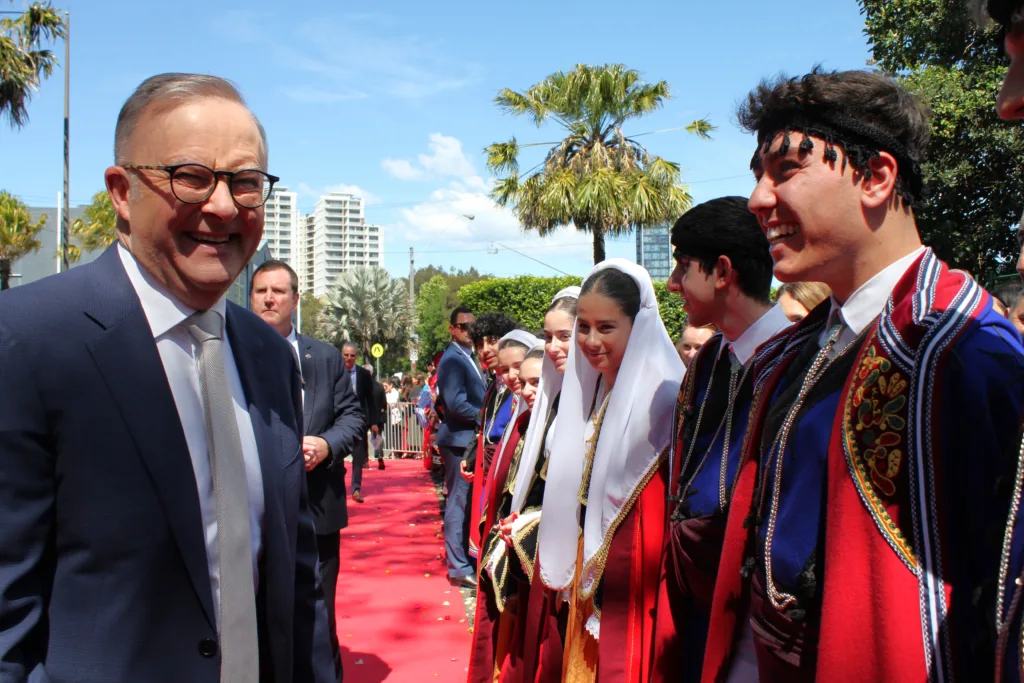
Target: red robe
{"x": 481, "y": 664}
{"x": 871, "y": 612}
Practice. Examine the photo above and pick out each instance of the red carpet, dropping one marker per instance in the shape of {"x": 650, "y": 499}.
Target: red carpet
{"x": 398, "y": 619}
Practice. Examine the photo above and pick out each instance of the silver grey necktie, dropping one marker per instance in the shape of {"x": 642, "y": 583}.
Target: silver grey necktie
{"x": 239, "y": 643}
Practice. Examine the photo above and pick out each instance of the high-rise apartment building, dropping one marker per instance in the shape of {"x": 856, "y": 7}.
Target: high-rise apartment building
{"x": 336, "y": 239}
{"x": 654, "y": 251}
{"x": 281, "y": 229}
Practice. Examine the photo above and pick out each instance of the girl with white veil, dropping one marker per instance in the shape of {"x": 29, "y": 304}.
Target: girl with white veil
{"x": 601, "y": 533}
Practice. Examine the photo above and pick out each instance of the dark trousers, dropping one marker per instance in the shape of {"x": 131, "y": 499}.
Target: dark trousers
{"x": 456, "y": 513}
{"x": 359, "y": 455}
{"x": 327, "y": 548}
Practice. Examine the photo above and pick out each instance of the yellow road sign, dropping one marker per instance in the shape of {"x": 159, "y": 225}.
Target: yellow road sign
{"x": 377, "y": 350}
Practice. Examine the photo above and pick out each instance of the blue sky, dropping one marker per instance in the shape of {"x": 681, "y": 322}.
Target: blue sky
{"x": 395, "y": 100}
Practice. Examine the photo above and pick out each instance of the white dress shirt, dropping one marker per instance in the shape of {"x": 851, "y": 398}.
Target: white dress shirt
{"x": 865, "y": 304}
{"x": 764, "y": 328}
{"x": 293, "y": 339}
{"x": 179, "y": 354}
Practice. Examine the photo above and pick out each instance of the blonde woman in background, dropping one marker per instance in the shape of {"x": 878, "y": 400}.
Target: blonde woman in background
{"x": 797, "y": 299}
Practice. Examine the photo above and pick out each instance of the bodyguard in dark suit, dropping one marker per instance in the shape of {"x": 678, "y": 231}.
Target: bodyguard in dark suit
{"x": 361, "y": 382}
{"x": 460, "y": 389}
{"x": 333, "y": 421}
{"x": 154, "y": 523}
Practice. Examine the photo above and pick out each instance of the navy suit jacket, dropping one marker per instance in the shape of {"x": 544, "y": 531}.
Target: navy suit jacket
{"x": 332, "y": 412}
{"x": 103, "y": 566}
{"x": 461, "y": 389}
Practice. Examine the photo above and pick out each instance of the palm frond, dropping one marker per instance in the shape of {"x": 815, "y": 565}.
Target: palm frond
{"x": 503, "y": 157}
{"x": 702, "y": 128}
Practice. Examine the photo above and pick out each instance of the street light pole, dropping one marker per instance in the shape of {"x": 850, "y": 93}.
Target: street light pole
{"x": 65, "y": 220}
{"x": 413, "y": 352}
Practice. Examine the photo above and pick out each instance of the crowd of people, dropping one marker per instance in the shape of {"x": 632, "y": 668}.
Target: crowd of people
{"x": 824, "y": 487}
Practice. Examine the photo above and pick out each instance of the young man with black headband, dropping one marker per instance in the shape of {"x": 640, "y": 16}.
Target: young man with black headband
{"x": 863, "y": 538}
{"x": 723, "y": 273}
{"x": 1009, "y": 610}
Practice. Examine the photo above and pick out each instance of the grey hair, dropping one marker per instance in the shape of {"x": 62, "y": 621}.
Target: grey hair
{"x": 176, "y": 88}
{"x": 350, "y": 345}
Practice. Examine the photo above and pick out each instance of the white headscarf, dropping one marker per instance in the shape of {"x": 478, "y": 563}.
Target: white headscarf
{"x": 523, "y": 337}
{"x": 637, "y": 428}
{"x": 550, "y": 385}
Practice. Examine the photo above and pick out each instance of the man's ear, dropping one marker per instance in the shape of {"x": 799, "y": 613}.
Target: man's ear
{"x": 119, "y": 188}
{"x": 878, "y": 190}
{"x": 723, "y": 272}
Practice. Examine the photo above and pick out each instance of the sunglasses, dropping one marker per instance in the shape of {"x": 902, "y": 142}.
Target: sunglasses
{"x": 463, "y": 326}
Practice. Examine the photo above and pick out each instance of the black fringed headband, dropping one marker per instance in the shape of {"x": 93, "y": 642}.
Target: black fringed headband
{"x": 860, "y": 142}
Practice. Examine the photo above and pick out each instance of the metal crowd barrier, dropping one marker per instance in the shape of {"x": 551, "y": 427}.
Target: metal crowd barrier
{"x": 403, "y": 435}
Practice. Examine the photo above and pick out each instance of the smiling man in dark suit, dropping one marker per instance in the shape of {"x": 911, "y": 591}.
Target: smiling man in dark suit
{"x": 332, "y": 416}
{"x": 154, "y": 523}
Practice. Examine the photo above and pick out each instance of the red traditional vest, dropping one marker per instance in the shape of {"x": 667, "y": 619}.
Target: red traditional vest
{"x": 884, "y": 596}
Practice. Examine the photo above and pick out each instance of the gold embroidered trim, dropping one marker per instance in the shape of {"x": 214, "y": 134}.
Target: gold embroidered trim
{"x": 875, "y": 465}
{"x": 588, "y": 458}
{"x": 600, "y": 558}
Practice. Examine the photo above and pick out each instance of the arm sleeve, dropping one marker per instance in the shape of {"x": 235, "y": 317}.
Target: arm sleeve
{"x": 349, "y": 421}
{"x": 982, "y": 396}
{"x": 27, "y": 465}
{"x": 313, "y": 660}
{"x": 452, "y": 381}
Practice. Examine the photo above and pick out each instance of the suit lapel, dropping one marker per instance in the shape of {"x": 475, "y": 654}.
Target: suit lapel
{"x": 307, "y": 365}
{"x": 130, "y": 364}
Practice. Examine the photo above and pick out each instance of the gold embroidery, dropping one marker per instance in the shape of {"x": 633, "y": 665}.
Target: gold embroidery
{"x": 874, "y": 416}
{"x": 588, "y": 459}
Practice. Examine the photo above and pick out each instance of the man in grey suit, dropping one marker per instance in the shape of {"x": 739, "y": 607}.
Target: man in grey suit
{"x": 154, "y": 523}
{"x": 460, "y": 390}
{"x": 333, "y": 419}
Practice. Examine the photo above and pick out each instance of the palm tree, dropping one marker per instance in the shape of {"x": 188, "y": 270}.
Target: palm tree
{"x": 98, "y": 230}
{"x": 23, "y": 64}
{"x": 597, "y": 178}
{"x": 366, "y": 307}
{"x": 17, "y": 234}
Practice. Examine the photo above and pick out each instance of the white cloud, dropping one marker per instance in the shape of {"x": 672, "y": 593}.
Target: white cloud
{"x": 335, "y": 59}
{"x": 402, "y": 169}
{"x": 446, "y": 157}
{"x": 444, "y": 160}
{"x": 306, "y": 190}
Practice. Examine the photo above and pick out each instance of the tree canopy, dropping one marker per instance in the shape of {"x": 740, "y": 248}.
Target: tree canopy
{"x": 367, "y": 307}
{"x": 98, "y": 228}
{"x": 17, "y": 234}
{"x": 973, "y": 172}
{"x": 596, "y": 178}
{"x": 24, "y": 58}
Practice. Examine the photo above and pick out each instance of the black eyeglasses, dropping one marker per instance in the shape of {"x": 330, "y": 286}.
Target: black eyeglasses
{"x": 463, "y": 326}
{"x": 194, "y": 183}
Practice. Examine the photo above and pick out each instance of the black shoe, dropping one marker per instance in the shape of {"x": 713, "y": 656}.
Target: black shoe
{"x": 468, "y": 581}
{"x": 366, "y": 464}
{"x": 357, "y": 496}
{"x": 380, "y": 464}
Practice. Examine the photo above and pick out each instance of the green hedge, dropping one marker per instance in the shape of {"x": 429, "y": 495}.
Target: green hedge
{"x": 526, "y": 298}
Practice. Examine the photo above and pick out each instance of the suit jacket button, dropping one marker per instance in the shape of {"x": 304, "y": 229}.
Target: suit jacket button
{"x": 207, "y": 647}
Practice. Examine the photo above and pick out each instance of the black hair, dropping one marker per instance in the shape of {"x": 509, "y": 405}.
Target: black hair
{"x": 1002, "y": 11}
{"x": 617, "y": 286}
{"x": 1009, "y": 294}
{"x": 725, "y": 227}
{"x": 459, "y": 310}
{"x": 569, "y": 304}
{"x": 270, "y": 265}
{"x": 491, "y": 325}
{"x": 864, "y": 112}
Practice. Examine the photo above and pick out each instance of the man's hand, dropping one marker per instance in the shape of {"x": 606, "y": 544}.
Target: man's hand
{"x": 466, "y": 474}
{"x": 375, "y": 429}
{"x": 315, "y": 450}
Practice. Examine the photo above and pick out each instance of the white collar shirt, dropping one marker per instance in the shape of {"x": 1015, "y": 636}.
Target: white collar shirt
{"x": 179, "y": 355}
{"x": 864, "y": 305}
{"x": 293, "y": 340}
{"x": 772, "y": 322}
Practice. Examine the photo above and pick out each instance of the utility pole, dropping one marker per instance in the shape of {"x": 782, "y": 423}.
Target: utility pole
{"x": 413, "y": 351}
{"x": 65, "y": 219}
